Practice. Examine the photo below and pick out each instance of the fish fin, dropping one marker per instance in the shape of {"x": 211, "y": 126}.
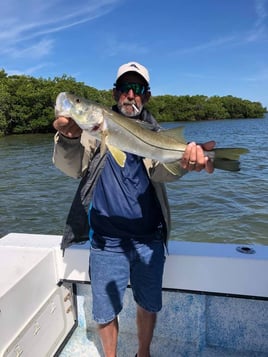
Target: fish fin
{"x": 103, "y": 145}
{"x": 145, "y": 125}
{"x": 102, "y": 150}
{"x": 118, "y": 155}
{"x": 226, "y": 164}
{"x": 175, "y": 133}
{"x": 228, "y": 158}
{"x": 173, "y": 167}
{"x": 229, "y": 153}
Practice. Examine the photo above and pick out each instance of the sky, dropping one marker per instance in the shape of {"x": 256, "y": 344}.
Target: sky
{"x": 190, "y": 47}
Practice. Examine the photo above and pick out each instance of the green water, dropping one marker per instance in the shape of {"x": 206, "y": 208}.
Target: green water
{"x": 223, "y": 207}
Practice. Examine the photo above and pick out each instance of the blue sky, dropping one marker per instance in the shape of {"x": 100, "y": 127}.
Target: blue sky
{"x": 190, "y": 47}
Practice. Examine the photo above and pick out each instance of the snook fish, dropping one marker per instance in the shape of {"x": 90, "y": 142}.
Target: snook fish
{"x": 120, "y": 134}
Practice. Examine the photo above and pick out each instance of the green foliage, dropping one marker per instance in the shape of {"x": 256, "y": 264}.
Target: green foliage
{"x": 27, "y": 104}
{"x": 199, "y": 107}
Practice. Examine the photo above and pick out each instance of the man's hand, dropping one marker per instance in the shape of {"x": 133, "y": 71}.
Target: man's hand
{"x": 67, "y": 127}
{"x": 194, "y": 159}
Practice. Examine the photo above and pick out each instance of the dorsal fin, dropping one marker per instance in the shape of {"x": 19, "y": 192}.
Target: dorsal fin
{"x": 145, "y": 125}
{"x": 175, "y": 133}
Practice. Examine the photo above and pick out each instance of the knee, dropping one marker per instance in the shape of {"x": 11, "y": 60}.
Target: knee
{"x": 112, "y": 323}
{"x": 141, "y": 311}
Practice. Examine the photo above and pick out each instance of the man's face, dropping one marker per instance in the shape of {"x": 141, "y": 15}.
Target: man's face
{"x": 131, "y": 93}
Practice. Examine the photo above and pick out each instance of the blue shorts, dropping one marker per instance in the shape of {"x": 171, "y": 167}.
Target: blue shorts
{"x": 110, "y": 273}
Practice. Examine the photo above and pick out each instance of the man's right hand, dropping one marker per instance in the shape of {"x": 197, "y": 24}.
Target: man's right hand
{"x": 67, "y": 127}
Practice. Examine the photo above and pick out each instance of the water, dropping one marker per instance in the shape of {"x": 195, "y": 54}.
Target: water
{"x": 223, "y": 207}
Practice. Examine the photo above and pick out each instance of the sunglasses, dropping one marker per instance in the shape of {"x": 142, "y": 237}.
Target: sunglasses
{"x": 137, "y": 88}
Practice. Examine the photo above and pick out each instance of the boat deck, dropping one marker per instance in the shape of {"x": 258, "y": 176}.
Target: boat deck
{"x": 215, "y": 301}
{"x": 189, "y": 325}
{"x": 85, "y": 346}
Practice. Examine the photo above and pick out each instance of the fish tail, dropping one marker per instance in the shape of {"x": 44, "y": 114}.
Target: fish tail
{"x": 226, "y": 164}
{"x": 228, "y": 158}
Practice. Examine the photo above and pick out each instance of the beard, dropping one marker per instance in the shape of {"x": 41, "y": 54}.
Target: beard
{"x": 130, "y": 109}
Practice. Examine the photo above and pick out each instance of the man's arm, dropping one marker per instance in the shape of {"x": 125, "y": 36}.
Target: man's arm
{"x": 72, "y": 147}
{"x": 193, "y": 159}
{"x": 68, "y": 155}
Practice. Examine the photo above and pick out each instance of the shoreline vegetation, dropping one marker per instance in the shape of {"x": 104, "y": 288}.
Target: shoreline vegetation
{"x": 27, "y": 104}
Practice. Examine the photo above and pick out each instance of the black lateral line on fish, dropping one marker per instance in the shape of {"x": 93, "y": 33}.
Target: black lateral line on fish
{"x": 150, "y": 143}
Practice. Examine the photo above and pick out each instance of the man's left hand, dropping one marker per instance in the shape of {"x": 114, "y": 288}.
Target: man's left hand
{"x": 194, "y": 158}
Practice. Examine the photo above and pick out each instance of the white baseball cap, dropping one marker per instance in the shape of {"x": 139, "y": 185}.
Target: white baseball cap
{"x": 133, "y": 67}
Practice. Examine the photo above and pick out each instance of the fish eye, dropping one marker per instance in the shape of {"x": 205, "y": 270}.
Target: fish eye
{"x": 78, "y": 100}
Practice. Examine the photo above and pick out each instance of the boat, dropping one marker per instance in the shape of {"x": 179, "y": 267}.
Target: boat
{"x": 215, "y": 301}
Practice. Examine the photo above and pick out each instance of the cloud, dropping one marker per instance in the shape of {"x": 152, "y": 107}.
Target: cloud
{"x": 24, "y": 24}
{"x": 260, "y": 76}
{"x": 37, "y": 50}
{"x": 114, "y": 46}
{"x": 29, "y": 70}
{"x": 259, "y": 30}
{"x": 215, "y": 43}
{"x": 260, "y": 8}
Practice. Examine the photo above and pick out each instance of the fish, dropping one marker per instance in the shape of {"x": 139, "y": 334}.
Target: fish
{"x": 121, "y": 135}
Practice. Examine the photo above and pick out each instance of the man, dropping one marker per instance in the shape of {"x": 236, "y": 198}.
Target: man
{"x": 127, "y": 211}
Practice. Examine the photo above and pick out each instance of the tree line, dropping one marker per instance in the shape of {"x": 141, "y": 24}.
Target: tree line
{"x": 27, "y": 104}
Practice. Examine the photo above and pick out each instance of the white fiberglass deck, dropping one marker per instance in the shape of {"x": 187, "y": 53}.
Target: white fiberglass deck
{"x": 215, "y": 300}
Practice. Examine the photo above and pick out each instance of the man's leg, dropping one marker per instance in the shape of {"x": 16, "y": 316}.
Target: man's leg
{"x": 108, "y": 334}
{"x": 145, "y": 325}
{"x": 146, "y": 281}
{"x": 109, "y": 273}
